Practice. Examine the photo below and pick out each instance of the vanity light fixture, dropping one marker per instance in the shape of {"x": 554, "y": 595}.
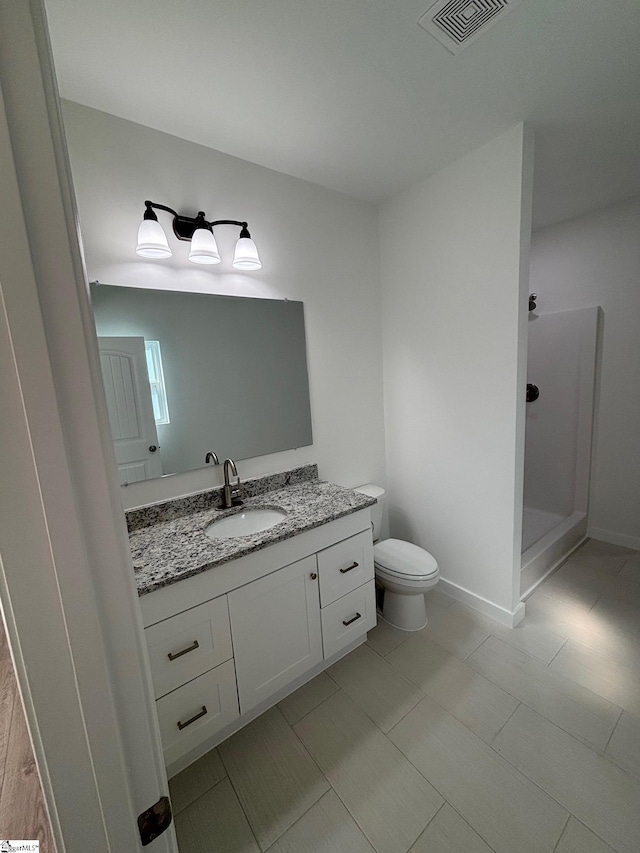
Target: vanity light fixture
{"x": 152, "y": 241}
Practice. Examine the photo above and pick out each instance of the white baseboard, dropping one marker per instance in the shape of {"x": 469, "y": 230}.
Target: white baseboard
{"x": 544, "y": 556}
{"x": 483, "y": 605}
{"x": 614, "y": 538}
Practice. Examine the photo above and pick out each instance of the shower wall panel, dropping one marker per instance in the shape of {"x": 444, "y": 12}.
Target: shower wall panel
{"x": 559, "y": 427}
{"x": 552, "y": 420}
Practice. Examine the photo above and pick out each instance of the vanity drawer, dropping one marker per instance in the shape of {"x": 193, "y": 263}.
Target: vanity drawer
{"x": 348, "y": 618}
{"x": 202, "y": 707}
{"x": 345, "y": 566}
{"x": 188, "y": 644}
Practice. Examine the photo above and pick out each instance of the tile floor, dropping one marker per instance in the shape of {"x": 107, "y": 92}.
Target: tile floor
{"x": 466, "y": 737}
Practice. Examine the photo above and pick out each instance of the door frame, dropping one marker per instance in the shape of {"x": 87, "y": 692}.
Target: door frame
{"x": 67, "y": 587}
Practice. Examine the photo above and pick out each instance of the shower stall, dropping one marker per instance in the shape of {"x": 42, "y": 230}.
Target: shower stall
{"x": 561, "y": 371}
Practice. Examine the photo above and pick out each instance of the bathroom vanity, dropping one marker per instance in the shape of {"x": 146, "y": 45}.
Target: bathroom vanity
{"x": 235, "y": 624}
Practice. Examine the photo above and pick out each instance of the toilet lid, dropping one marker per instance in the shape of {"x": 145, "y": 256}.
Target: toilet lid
{"x": 404, "y": 559}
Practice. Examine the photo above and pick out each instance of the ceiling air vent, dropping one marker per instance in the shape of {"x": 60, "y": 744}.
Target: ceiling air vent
{"x": 456, "y": 23}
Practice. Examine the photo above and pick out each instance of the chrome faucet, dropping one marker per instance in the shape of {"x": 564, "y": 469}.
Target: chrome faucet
{"x": 231, "y": 492}
{"x": 211, "y": 456}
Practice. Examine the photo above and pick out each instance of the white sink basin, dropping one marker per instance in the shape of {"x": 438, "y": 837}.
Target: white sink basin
{"x": 245, "y": 523}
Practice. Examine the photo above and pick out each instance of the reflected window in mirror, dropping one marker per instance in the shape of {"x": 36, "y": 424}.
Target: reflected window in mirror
{"x": 156, "y": 382}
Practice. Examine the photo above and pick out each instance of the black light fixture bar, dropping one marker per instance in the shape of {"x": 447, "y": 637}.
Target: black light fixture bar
{"x": 152, "y": 241}
{"x": 184, "y": 226}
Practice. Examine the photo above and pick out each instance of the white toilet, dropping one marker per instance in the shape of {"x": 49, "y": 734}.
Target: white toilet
{"x": 404, "y": 571}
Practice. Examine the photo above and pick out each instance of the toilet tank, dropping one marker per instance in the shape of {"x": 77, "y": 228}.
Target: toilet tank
{"x": 377, "y": 492}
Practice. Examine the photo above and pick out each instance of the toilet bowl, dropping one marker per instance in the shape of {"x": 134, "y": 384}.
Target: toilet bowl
{"x": 404, "y": 572}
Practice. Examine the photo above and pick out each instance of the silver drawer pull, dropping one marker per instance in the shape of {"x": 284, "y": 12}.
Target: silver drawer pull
{"x": 195, "y": 645}
{"x": 197, "y": 716}
{"x": 349, "y": 568}
{"x": 349, "y": 621}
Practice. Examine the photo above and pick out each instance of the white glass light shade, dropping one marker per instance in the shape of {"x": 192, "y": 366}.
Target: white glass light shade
{"x": 152, "y": 241}
{"x": 204, "y": 249}
{"x": 246, "y": 255}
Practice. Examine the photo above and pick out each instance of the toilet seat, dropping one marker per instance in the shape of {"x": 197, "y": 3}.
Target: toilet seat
{"x": 404, "y": 560}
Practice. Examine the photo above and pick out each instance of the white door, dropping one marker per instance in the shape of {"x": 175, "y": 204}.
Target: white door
{"x": 67, "y": 586}
{"x": 275, "y": 624}
{"x": 133, "y": 427}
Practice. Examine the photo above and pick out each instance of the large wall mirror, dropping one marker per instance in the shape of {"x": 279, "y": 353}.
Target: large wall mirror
{"x": 189, "y": 373}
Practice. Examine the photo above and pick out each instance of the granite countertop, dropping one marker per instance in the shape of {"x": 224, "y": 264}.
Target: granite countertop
{"x": 173, "y": 550}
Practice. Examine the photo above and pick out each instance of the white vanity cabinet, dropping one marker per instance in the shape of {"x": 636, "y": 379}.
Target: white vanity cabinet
{"x": 276, "y": 631}
{"x": 230, "y": 642}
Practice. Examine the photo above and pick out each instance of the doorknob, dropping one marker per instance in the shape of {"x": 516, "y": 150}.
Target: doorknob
{"x": 533, "y": 392}
{"x": 153, "y": 448}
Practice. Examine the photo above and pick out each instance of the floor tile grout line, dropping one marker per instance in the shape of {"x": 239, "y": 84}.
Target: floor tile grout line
{"x": 564, "y": 829}
{"x": 537, "y": 711}
{"x": 558, "y": 652}
{"x": 599, "y": 598}
{"x": 448, "y": 651}
{"x": 539, "y": 660}
{"x": 615, "y": 726}
{"x": 609, "y": 659}
{"x": 592, "y": 831}
{"x": 437, "y": 812}
{"x": 303, "y": 744}
{"x": 471, "y": 827}
{"x": 464, "y": 660}
{"x": 610, "y": 760}
{"x": 337, "y": 793}
{"x": 505, "y": 722}
{"x": 562, "y": 728}
{"x": 504, "y": 758}
{"x": 532, "y": 781}
{"x": 242, "y": 808}
{"x": 311, "y": 710}
{"x": 433, "y": 699}
{"x": 495, "y": 683}
{"x": 201, "y": 794}
{"x": 376, "y": 724}
{"x": 547, "y": 793}
{"x": 355, "y": 819}
{"x": 413, "y": 707}
{"x": 208, "y": 791}
{"x": 401, "y": 643}
{"x": 486, "y": 639}
{"x": 295, "y": 734}
{"x": 298, "y": 819}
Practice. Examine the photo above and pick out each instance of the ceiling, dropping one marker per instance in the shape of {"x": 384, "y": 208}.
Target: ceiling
{"x": 355, "y": 96}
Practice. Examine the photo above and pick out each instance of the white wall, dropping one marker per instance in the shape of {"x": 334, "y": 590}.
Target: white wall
{"x": 595, "y": 260}
{"x": 454, "y": 344}
{"x": 316, "y": 245}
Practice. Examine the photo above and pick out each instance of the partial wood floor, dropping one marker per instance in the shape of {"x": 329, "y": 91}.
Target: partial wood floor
{"x": 22, "y": 811}
{"x": 466, "y": 737}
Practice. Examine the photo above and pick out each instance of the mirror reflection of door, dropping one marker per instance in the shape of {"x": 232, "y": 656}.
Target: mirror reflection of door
{"x": 128, "y": 393}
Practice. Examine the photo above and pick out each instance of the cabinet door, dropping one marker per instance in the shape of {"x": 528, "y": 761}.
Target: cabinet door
{"x": 275, "y": 626}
